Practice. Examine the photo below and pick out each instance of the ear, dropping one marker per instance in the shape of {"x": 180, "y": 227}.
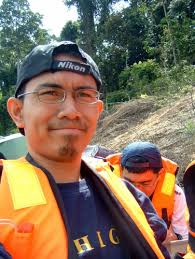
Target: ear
{"x": 15, "y": 110}
{"x": 100, "y": 106}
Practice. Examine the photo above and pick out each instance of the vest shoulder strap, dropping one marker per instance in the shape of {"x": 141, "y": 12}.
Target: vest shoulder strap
{"x": 1, "y": 168}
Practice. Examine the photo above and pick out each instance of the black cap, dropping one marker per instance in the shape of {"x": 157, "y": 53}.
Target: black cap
{"x": 40, "y": 60}
{"x": 141, "y": 155}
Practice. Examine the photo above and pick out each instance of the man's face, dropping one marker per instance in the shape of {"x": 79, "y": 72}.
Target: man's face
{"x": 145, "y": 182}
{"x": 59, "y": 131}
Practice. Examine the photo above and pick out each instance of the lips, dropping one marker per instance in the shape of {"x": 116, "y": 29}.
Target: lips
{"x": 66, "y": 124}
{"x": 68, "y": 128}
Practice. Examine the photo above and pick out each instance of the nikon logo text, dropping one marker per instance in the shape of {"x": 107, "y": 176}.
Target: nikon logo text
{"x": 72, "y": 66}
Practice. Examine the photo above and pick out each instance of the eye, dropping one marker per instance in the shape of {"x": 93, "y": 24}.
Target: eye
{"x": 87, "y": 93}
{"x": 146, "y": 184}
{"x": 51, "y": 95}
{"x": 49, "y": 92}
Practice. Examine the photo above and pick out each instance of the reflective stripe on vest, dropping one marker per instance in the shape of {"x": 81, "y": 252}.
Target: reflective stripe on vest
{"x": 131, "y": 206}
{"x": 189, "y": 255}
{"x": 163, "y": 197}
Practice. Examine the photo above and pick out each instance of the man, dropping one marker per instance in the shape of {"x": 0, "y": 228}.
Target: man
{"x": 56, "y": 206}
{"x": 189, "y": 188}
{"x": 154, "y": 175}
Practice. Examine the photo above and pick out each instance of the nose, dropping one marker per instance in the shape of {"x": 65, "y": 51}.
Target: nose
{"x": 139, "y": 186}
{"x": 69, "y": 108}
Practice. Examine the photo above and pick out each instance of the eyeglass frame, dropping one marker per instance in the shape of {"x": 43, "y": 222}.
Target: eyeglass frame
{"x": 137, "y": 184}
{"x": 64, "y": 95}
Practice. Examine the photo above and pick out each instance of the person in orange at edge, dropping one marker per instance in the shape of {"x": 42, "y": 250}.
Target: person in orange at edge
{"x": 143, "y": 166}
{"x": 52, "y": 203}
{"x": 189, "y": 188}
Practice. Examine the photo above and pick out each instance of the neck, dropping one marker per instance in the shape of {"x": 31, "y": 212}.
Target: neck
{"x": 62, "y": 171}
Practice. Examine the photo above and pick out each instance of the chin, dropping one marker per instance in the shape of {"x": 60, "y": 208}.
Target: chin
{"x": 67, "y": 151}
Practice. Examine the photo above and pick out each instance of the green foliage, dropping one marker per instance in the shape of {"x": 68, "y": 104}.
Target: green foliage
{"x": 6, "y": 125}
{"x": 111, "y": 62}
{"x": 117, "y": 96}
{"x": 92, "y": 14}
{"x": 145, "y": 30}
{"x": 130, "y": 33}
{"x": 71, "y": 31}
{"x": 189, "y": 128}
{"x": 86, "y": 10}
{"x": 146, "y": 71}
{"x": 178, "y": 41}
{"x": 20, "y": 31}
{"x": 148, "y": 78}
{"x": 139, "y": 77}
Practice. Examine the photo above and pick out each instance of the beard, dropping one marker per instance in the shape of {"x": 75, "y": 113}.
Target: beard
{"x": 68, "y": 151}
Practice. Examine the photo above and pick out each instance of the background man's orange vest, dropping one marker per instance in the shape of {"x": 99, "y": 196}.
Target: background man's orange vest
{"x": 163, "y": 197}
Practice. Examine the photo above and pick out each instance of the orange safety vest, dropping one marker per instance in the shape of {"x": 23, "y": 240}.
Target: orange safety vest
{"x": 26, "y": 199}
{"x": 115, "y": 163}
{"x": 190, "y": 178}
{"x": 163, "y": 197}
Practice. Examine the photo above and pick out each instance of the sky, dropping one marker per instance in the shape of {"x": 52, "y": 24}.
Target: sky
{"x": 55, "y": 14}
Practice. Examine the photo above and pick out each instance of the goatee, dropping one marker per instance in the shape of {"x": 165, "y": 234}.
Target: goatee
{"x": 68, "y": 151}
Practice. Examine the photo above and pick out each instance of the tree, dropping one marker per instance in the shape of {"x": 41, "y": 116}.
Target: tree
{"x": 71, "y": 31}
{"x": 91, "y": 12}
{"x": 123, "y": 45}
{"x": 86, "y": 10}
{"x": 19, "y": 32}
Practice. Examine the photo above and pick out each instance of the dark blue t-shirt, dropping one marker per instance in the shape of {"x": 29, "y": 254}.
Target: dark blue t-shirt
{"x": 92, "y": 229}
{"x": 4, "y": 254}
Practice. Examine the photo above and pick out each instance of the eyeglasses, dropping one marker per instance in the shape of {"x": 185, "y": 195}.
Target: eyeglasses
{"x": 58, "y": 95}
{"x": 146, "y": 184}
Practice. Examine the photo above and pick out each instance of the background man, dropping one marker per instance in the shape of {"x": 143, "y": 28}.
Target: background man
{"x": 57, "y": 205}
{"x": 154, "y": 175}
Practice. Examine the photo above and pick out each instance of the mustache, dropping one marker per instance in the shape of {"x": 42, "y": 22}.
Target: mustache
{"x": 66, "y": 124}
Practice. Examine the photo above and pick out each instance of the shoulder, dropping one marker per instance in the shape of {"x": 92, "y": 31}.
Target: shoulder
{"x": 132, "y": 188}
{"x": 178, "y": 190}
{"x": 179, "y": 197}
{"x": 141, "y": 198}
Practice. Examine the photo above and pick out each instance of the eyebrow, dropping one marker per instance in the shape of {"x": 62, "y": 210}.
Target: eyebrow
{"x": 86, "y": 87}
{"x": 54, "y": 85}
{"x": 49, "y": 84}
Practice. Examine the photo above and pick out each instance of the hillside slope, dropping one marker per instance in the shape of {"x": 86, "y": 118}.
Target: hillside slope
{"x": 168, "y": 123}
